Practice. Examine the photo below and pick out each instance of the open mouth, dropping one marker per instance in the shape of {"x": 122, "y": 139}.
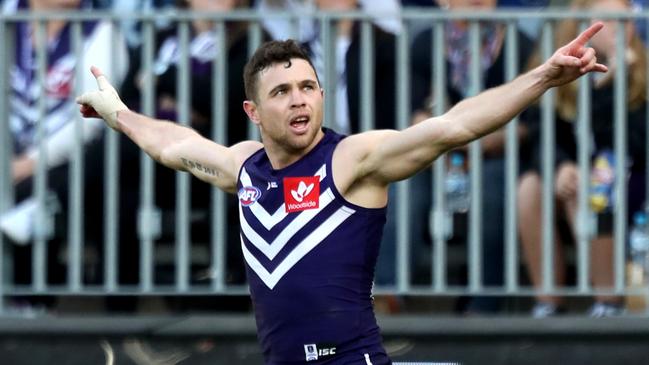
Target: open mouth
{"x": 299, "y": 124}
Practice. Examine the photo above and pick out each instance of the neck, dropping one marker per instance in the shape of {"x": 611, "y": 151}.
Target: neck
{"x": 281, "y": 156}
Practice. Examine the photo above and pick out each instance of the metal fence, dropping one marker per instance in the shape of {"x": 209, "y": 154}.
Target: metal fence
{"x": 197, "y": 268}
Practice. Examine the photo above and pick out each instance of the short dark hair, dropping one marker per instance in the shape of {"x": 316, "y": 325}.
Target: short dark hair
{"x": 267, "y": 55}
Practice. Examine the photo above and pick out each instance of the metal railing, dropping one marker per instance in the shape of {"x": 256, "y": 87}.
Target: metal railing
{"x": 149, "y": 216}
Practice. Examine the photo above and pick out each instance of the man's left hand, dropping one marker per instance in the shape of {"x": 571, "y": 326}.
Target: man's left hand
{"x": 574, "y": 59}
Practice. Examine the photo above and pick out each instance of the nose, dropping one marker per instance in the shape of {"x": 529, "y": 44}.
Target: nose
{"x": 297, "y": 98}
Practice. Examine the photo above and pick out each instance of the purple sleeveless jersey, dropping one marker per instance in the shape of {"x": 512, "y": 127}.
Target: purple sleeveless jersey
{"x": 310, "y": 258}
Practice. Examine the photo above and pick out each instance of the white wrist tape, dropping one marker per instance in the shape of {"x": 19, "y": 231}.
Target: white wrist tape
{"x": 105, "y": 101}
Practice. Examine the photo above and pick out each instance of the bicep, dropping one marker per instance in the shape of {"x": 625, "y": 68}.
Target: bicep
{"x": 397, "y": 155}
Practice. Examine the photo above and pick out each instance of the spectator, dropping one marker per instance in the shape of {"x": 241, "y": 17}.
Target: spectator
{"x": 131, "y": 27}
{"x": 61, "y": 111}
{"x": 58, "y": 118}
{"x": 492, "y": 61}
{"x": 203, "y": 48}
{"x": 567, "y": 174}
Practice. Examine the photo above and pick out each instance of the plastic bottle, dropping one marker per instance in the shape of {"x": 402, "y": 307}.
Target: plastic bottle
{"x": 602, "y": 180}
{"x": 639, "y": 242}
{"x": 638, "y": 266}
{"x": 457, "y": 185}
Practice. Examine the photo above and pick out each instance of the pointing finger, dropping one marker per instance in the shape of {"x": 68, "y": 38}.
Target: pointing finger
{"x": 102, "y": 81}
{"x": 587, "y": 34}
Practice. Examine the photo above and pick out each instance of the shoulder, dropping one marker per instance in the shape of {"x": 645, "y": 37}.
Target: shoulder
{"x": 244, "y": 150}
{"x": 354, "y": 163}
{"x": 360, "y": 141}
{"x": 353, "y": 155}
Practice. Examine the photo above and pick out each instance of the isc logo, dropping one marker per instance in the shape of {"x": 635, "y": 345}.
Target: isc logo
{"x": 312, "y": 352}
{"x": 327, "y": 352}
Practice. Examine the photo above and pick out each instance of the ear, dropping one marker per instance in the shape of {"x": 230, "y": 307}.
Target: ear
{"x": 250, "y": 108}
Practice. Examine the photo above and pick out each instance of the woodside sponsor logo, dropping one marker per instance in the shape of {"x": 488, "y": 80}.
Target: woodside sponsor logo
{"x": 301, "y": 193}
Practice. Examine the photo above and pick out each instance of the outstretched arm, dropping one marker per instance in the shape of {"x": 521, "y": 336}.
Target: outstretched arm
{"x": 398, "y": 155}
{"x": 171, "y": 144}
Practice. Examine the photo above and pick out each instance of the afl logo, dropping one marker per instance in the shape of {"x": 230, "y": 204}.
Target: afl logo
{"x": 248, "y": 195}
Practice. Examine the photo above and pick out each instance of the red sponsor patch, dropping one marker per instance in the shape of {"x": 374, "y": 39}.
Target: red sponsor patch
{"x": 301, "y": 193}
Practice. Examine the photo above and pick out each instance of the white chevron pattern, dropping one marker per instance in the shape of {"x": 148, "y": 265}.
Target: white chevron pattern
{"x": 303, "y": 248}
{"x": 273, "y": 248}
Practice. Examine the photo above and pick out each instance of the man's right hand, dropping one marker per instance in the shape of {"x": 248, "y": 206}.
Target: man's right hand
{"x": 104, "y": 103}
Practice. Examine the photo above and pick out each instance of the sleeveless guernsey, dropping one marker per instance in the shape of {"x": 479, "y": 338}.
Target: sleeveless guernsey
{"x": 310, "y": 258}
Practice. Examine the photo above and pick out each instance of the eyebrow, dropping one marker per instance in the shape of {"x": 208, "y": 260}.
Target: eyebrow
{"x": 287, "y": 85}
{"x": 278, "y": 87}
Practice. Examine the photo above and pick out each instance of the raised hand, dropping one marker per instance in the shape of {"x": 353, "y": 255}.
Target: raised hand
{"x": 104, "y": 103}
{"x": 574, "y": 59}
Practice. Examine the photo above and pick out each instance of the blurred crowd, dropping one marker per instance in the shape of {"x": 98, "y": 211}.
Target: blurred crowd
{"x": 116, "y": 48}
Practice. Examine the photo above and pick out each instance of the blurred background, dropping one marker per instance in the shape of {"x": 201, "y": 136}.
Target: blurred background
{"x": 530, "y": 245}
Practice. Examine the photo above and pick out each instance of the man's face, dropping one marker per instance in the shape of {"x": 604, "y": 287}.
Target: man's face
{"x": 289, "y": 105}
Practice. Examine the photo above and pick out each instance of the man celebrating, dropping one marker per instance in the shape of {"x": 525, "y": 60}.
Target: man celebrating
{"x": 313, "y": 202}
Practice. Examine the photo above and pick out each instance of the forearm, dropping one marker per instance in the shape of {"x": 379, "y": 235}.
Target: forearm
{"x": 171, "y": 144}
{"x": 402, "y": 154}
{"x": 182, "y": 148}
{"x": 482, "y": 114}
{"x": 155, "y": 137}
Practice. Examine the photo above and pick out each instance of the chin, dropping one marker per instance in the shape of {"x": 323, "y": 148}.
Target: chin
{"x": 303, "y": 141}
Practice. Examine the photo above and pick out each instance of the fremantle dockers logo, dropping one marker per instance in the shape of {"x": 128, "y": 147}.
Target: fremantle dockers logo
{"x": 248, "y": 195}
